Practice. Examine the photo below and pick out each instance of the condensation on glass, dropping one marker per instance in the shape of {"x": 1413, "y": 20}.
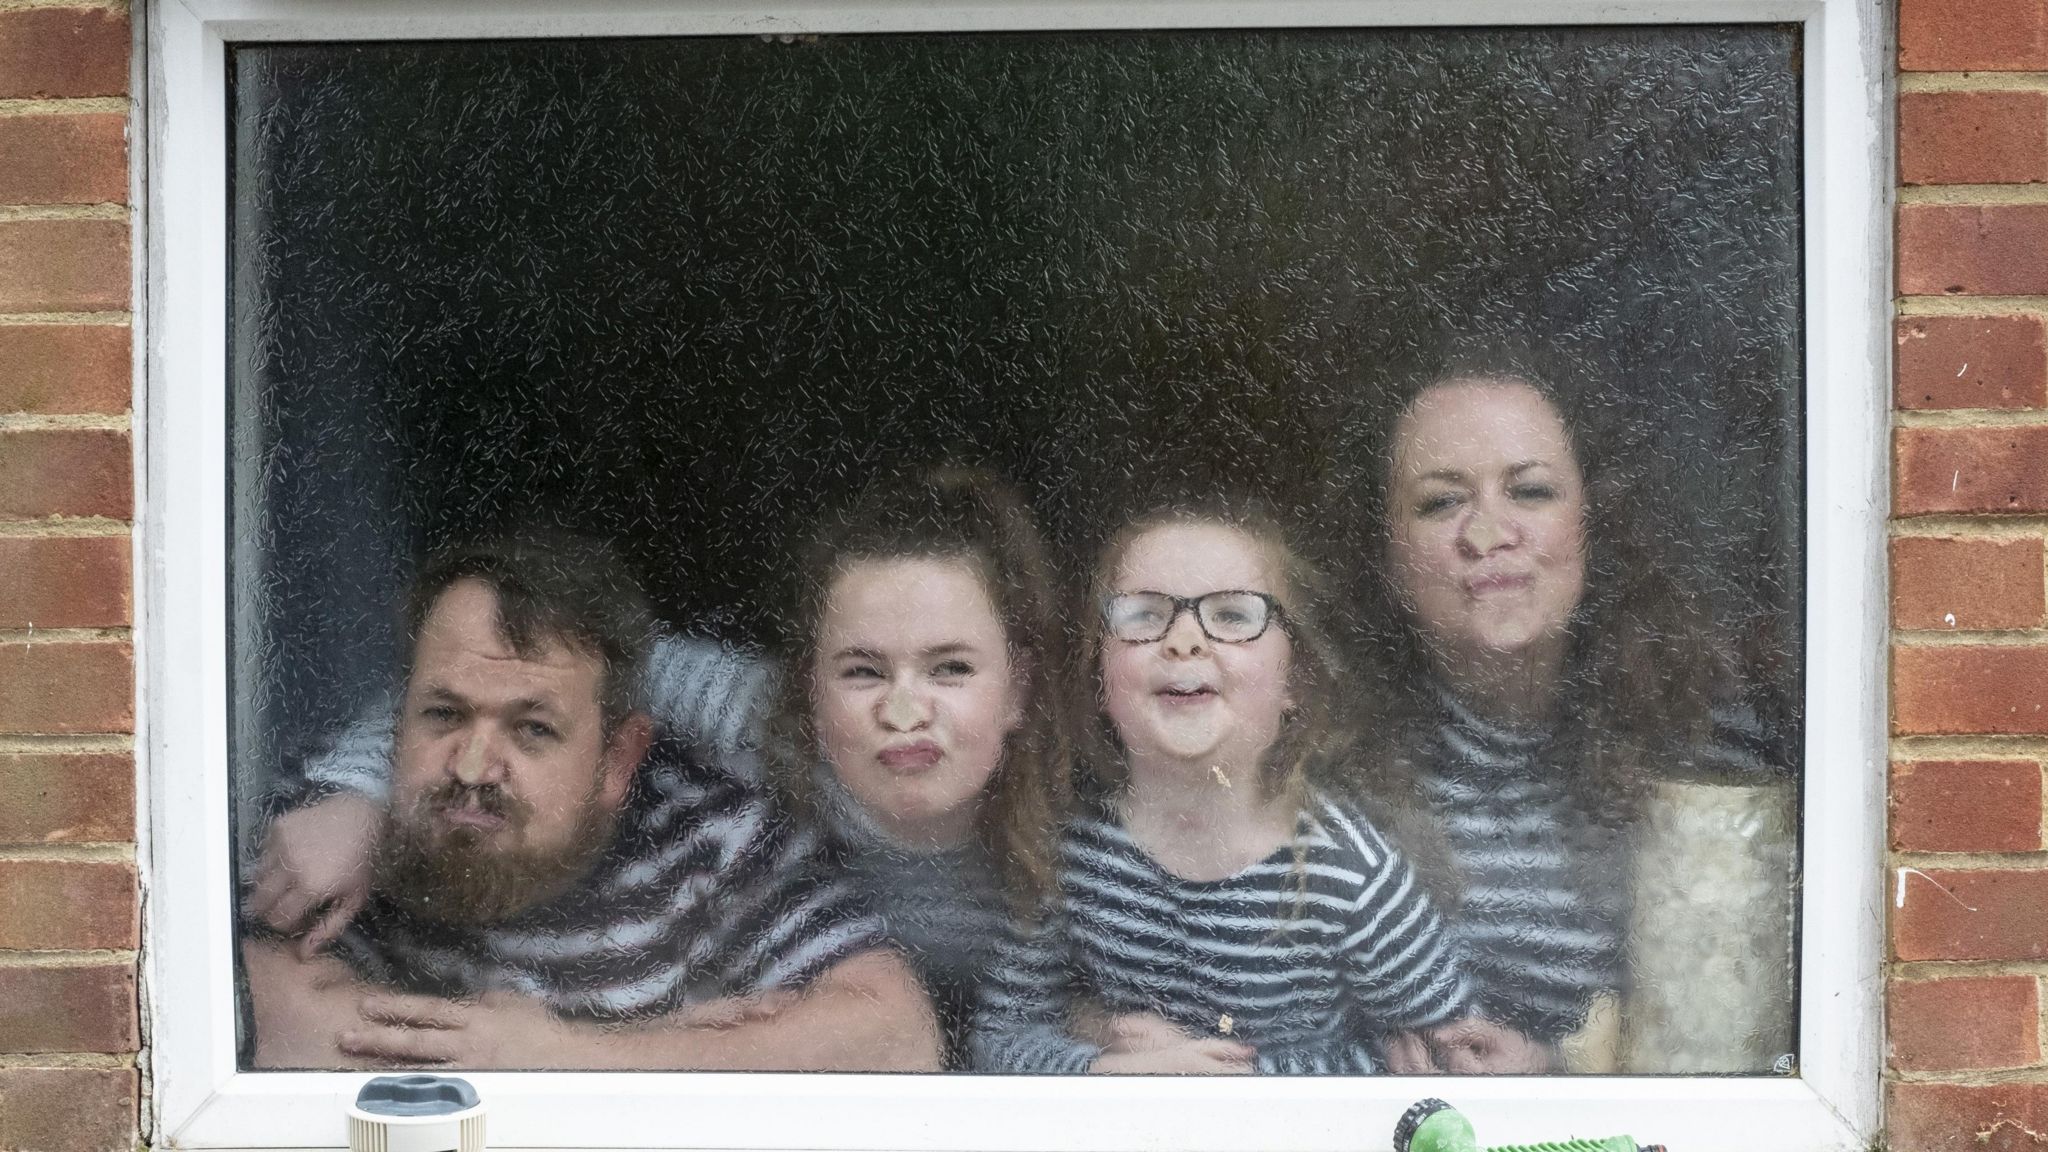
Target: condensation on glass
{"x": 1496, "y": 331}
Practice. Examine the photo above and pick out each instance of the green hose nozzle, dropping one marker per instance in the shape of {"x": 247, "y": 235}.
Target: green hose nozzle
{"x": 1434, "y": 1126}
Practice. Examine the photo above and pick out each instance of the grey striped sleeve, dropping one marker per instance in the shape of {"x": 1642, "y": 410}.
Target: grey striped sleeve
{"x": 1401, "y": 967}
{"x": 715, "y": 696}
{"x": 358, "y": 759}
{"x": 1021, "y": 1006}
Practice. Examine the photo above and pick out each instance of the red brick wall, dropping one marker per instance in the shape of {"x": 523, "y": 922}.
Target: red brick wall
{"x": 69, "y": 1026}
{"x": 1965, "y": 1059}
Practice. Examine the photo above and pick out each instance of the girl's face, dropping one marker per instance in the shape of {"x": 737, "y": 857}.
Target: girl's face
{"x": 1185, "y": 698}
{"x": 1487, "y": 511}
{"x": 913, "y": 693}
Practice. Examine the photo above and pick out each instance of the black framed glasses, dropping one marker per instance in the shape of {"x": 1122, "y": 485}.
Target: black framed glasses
{"x": 1231, "y": 616}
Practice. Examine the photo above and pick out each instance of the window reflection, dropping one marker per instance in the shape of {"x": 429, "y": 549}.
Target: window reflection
{"x": 1154, "y": 553}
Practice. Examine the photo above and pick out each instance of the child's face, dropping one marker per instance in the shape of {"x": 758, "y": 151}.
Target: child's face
{"x": 1184, "y": 697}
{"x": 913, "y": 692}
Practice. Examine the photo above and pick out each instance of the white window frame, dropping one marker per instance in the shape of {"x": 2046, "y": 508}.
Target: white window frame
{"x": 199, "y": 1098}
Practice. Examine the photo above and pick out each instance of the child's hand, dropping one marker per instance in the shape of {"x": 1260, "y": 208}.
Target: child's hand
{"x": 1408, "y": 1054}
{"x": 496, "y": 1030}
{"x": 1191, "y": 1057}
{"x": 1130, "y": 1032}
{"x": 314, "y": 875}
{"x": 1146, "y": 1042}
{"x": 1475, "y": 1046}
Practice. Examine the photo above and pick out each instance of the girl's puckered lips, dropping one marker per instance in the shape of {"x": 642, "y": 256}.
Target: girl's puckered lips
{"x": 911, "y": 757}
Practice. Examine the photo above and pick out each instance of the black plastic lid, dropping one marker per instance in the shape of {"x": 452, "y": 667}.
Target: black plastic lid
{"x": 416, "y": 1095}
{"x": 1412, "y": 1119}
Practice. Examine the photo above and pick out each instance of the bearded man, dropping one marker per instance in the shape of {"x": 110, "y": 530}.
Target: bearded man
{"x": 546, "y": 893}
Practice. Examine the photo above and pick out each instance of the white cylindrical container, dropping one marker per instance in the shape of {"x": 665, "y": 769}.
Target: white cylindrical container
{"x": 416, "y": 1113}
{"x": 1710, "y": 950}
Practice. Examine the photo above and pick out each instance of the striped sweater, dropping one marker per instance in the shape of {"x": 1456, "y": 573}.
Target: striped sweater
{"x": 1313, "y": 986}
{"x": 708, "y": 890}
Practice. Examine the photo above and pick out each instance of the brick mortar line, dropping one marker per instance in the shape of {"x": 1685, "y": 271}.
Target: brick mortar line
{"x": 82, "y": 319}
{"x": 108, "y": 852}
{"x": 2022, "y": 519}
{"x": 1980, "y": 745}
{"x": 84, "y": 744}
{"x": 1915, "y": 746}
{"x": 1972, "y": 82}
{"x": 2012, "y": 757}
{"x": 1968, "y": 861}
{"x": 105, "y": 5}
{"x": 1943, "y": 969}
{"x": 1968, "y": 418}
{"x": 62, "y": 1061}
{"x": 33, "y": 635}
{"x": 72, "y": 105}
{"x": 1973, "y": 1078}
{"x": 15, "y": 213}
{"x": 1909, "y": 306}
{"x": 67, "y": 958}
{"x": 1945, "y": 527}
{"x": 66, "y": 421}
{"x": 65, "y": 527}
{"x": 1941, "y": 638}
{"x": 1972, "y": 195}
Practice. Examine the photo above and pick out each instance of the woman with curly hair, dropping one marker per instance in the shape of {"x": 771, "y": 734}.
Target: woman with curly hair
{"x": 1542, "y": 668}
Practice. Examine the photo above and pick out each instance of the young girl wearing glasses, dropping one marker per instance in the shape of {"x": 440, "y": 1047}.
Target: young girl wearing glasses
{"x": 1216, "y": 913}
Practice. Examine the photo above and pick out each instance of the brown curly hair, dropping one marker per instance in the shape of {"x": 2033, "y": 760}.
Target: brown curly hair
{"x": 1641, "y": 670}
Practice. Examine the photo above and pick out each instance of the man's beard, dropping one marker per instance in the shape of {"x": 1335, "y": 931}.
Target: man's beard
{"x": 455, "y": 876}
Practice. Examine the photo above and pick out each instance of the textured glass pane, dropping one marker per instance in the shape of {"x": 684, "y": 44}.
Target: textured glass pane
{"x": 1472, "y": 357}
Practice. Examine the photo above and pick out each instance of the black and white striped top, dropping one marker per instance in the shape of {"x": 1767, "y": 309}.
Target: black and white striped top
{"x": 1313, "y": 985}
{"x": 708, "y": 890}
{"x": 1544, "y": 919}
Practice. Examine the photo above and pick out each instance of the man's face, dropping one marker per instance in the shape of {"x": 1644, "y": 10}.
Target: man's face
{"x": 505, "y": 789}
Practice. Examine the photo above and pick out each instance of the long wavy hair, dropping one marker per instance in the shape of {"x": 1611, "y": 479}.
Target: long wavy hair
{"x": 954, "y": 514}
{"x": 1640, "y": 671}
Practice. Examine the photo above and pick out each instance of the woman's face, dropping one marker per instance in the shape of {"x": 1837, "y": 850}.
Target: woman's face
{"x": 913, "y": 692}
{"x": 1185, "y": 698}
{"x": 1486, "y": 505}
